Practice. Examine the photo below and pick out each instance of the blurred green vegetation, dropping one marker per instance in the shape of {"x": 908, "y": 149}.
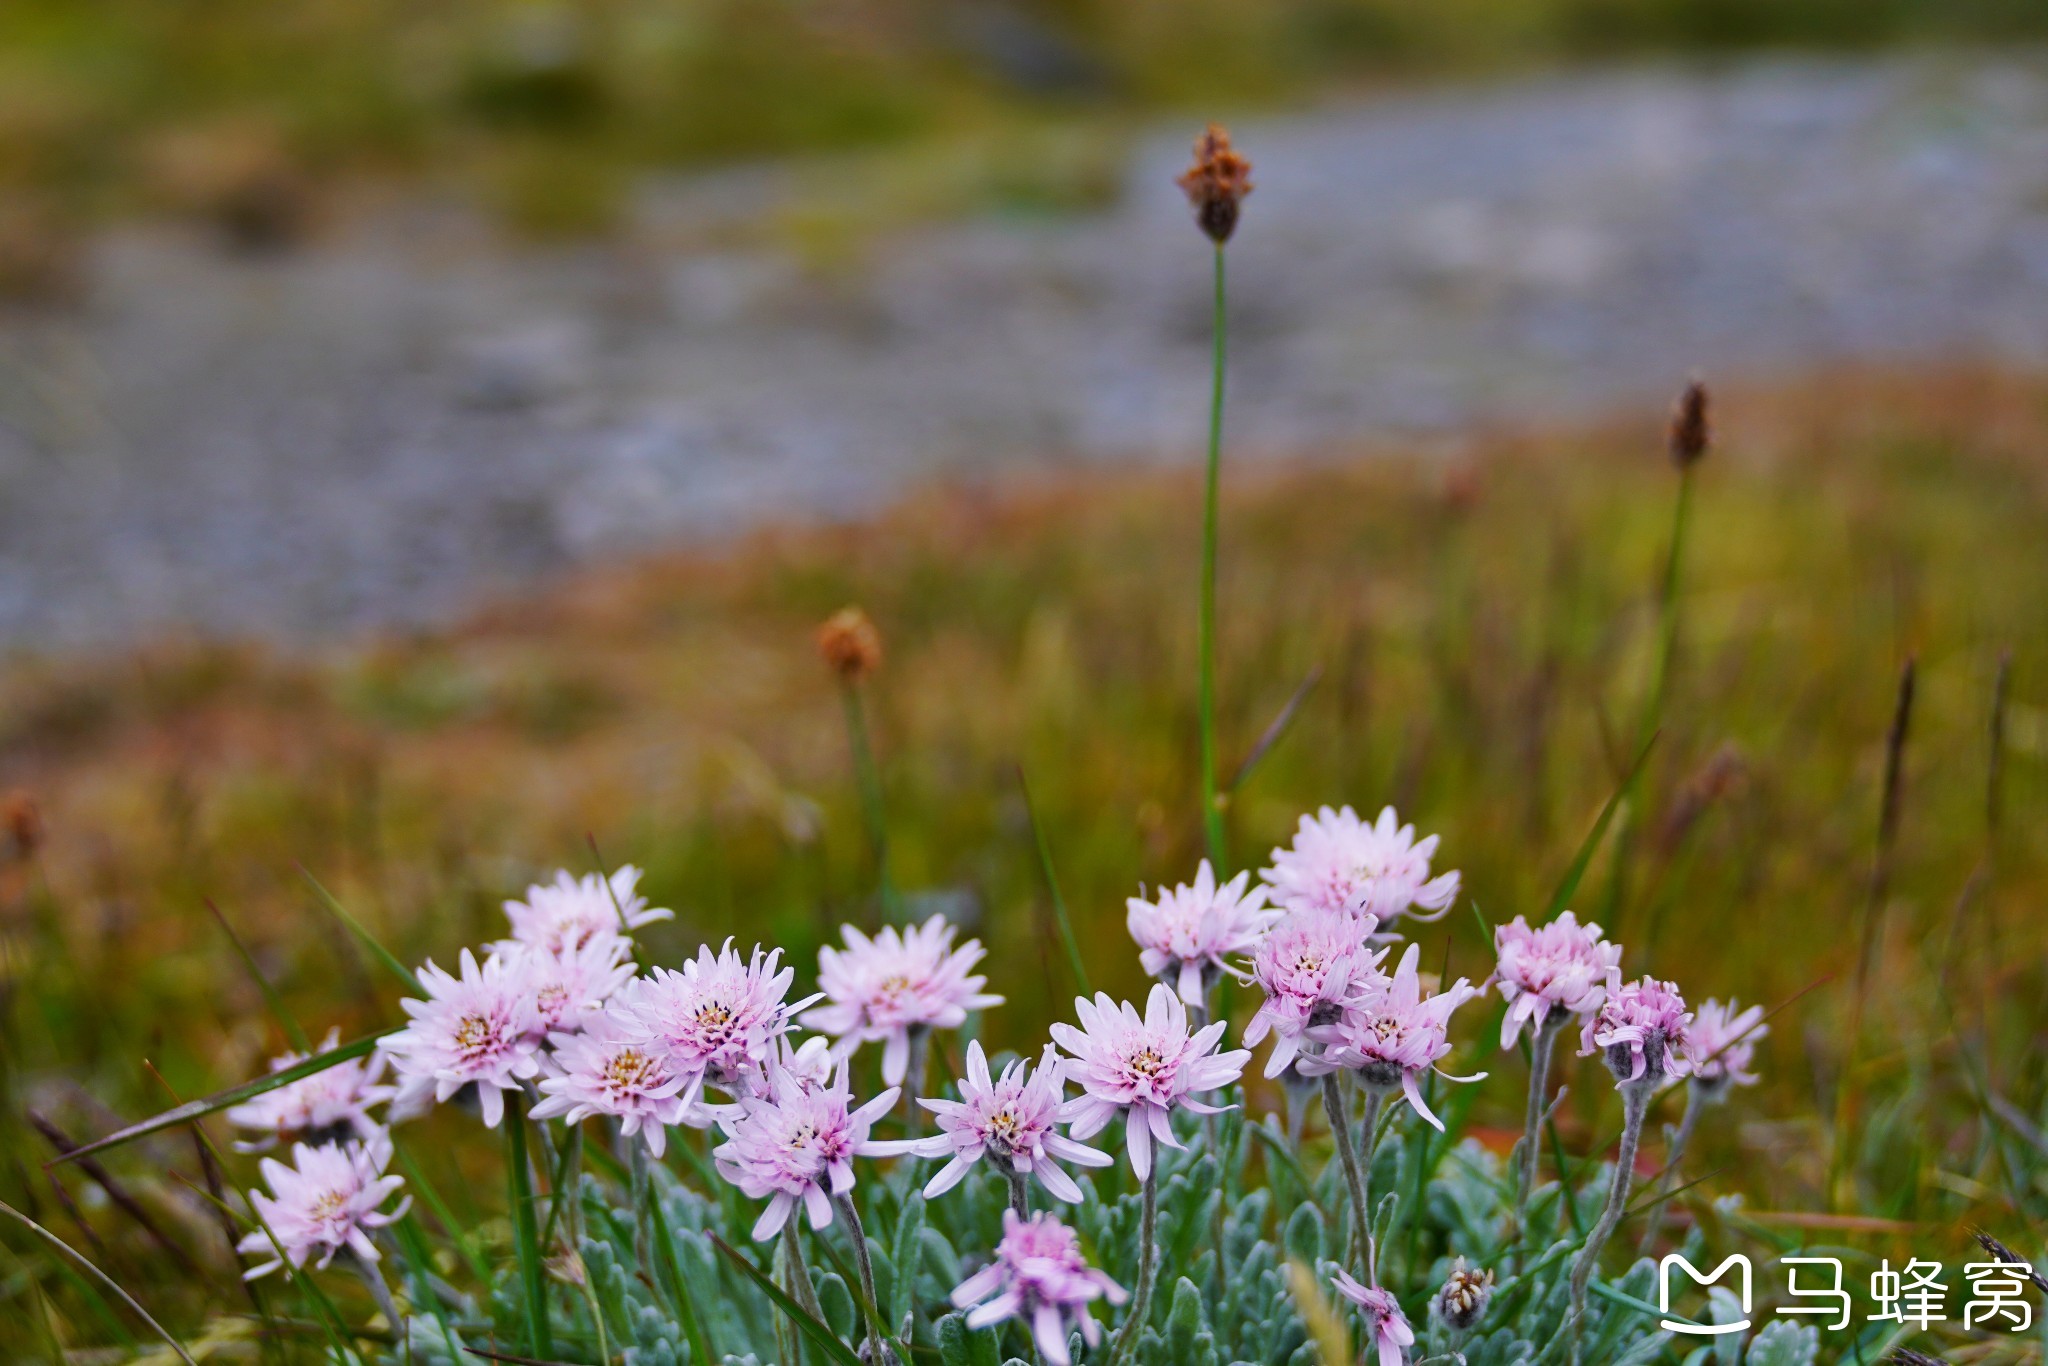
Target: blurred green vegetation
{"x": 244, "y": 110}
{"x": 1481, "y": 625}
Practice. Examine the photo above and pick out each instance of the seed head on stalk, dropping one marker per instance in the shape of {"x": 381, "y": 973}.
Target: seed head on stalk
{"x": 1216, "y": 183}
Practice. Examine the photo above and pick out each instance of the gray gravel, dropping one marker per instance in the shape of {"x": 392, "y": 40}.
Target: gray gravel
{"x": 388, "y": 426}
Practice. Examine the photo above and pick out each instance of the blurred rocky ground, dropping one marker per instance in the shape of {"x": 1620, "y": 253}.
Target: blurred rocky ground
{"x": 404, "y": 415}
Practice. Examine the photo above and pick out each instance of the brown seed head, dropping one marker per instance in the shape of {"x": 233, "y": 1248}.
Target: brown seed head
{"x": 1690, "y": 433}
{"x": 1217, "y": 183}
{"x": 850, "y": 645}
{"x": 1462, "y": 1301}
{"x": 23, "y": 821}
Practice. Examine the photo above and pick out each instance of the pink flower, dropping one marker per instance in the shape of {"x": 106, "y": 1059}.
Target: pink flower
{"x": 479, "y": 1029}
{"x": 1008, "y": 1118}
{"x": 796, "y": 1143}
{"x": 718, "y": 1019}
{"x": 1310, "y": 966}
{"x": 1643, "y": 1029}
{"x": 611, "y": 1070}
{"x": 1391, "y": 1036}
{"x": 1142, "y": 1068}
{"x": 1184, "y": 935}
{"x": 1384, "y": 1320}
{"x": 327, "y": 1200}
{"x": 571, "y": 984}
{"x": 1040, "y": 1276}
{"x": 1556, "y": 969}
{"x": 324, "y": 1107}
{"x": 570, "y": 912}
{"x": 1340, "y": 864}
{"x": 1721, "y": 1042}
{"x": 882, "y": 988}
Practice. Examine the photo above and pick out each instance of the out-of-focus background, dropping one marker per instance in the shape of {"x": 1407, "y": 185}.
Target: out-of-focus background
{"x": 430, "y": 433}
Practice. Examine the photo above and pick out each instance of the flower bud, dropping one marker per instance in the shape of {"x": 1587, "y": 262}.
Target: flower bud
{"x": 850, "y": 645}
{"x": 1462, "y": 1301}
{"x": 1216, "y": 183}
{"x": 1689, "y": 430}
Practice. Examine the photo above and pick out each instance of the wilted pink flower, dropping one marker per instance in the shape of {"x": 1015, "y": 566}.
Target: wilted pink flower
{"x": 324, "y": 1107}
{"x": 718, "y": 1019}
{"x": 480, "y": 1029}
{"x": 796, "y": 1143}
{"x": 614, "y": 1071}
{"x": 1309, "y": 966}
{"x": 1384, "y": 1321}
{"x": 1721, "y": 1042}
{"x": 1009, "y": 1119}
{"x": 327, "y": 1200}
{"x": 569, "y": 912}
{"x": 1039, "y": 1276}
{"x": 1556, "y": 969}
{"x": 1339, "y": 863}
{"x": 1642, "y": 1027}
{"x": 1142, "y": 1068}
{"x": 570, "y": 984}
{"x": 1392, "y": 1035}
{"x": 882, "y": 988}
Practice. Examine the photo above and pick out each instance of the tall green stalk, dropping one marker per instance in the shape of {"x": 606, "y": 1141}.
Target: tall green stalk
{"x": 868, "y": 776}
{"x": 1212, "y": 810}
{"x": 532, "y": 1276}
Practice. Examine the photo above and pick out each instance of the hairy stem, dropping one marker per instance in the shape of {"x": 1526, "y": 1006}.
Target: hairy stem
{"x": 1148, "y": 1265}
{"x": 373, "y": 1280}
{"x": 643, "y": 1218}
{"x": 1635, "y": 1103}
{"x": 1687, "y": 1122}
{"x": 1356, "y": 1177}
{"x": 913, "y": 1080}
{"x": 1212, "y": 812}
{"x": 871, "y": 1308}
{"x": 1020, "y": 1192}
{"x": 1540, "y": 1053}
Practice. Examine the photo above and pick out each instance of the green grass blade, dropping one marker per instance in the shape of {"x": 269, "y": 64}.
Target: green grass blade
{"x": 1609, "y": 1293}
{"x": 1052, "y": 885}
{"x": 285, "y": 1020}
{"x": 221, "y": 1100}
{"x": 1560, "y": 900}
{"x": 102, "y": 1277}
{"x": 828, "y": 1342}
{"x": 369, "y": 942}
{"x": 532, "y": 1275}
{"x": 686, "y": 1299}
{"x": 416, "y": 1177}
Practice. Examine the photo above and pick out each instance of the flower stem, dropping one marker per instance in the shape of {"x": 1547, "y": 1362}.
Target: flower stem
{"x": 533, "y": 1277}
{"x": 1212, "y": 811}
{"x": 871, "y": 1308}
{"x": 1635, "y": 1103}
{"x": 373, "y": 1280}
{"x": 913, "y": 1079}
{"x": 1687, "y": 1122}
{"x": 1148, "y": 1265}
{"x": 1348, "y": 1153}
{"x": 1532, "y": 1121}
{"x": 799, "y": 1277}
{"x": 1020, "y": 1192}
{"x": 643, "y": 1220}
{"x": 868, "y": 775}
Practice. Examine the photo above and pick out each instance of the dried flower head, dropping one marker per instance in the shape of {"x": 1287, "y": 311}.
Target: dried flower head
{"x": 1550, "y": 972}
{"x": 1183, "y": 936}
{"x": 326, "y": 1107}
{"x": 1216, "y": 183}
{"x": 1642, "y": 1030}
{"x": 1342, "y": 865}
{"x": 1142, "y": 1067}
{"x": 327, "y": 1200}
{"x": 850, "y": 645}
{"x": 1721, "y": 1043}
{"x": 1461, "y": 1303}
{"x": 1385, "y": 1324}
{"x": 881, "y": 989}
{"x": 1010, "y": 1119}
{"x": 1310, "y": 967}
{"x": 23, "y": 820}
{"x": 1690, "y": 432}
{"x": 1038, "y": 1275}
